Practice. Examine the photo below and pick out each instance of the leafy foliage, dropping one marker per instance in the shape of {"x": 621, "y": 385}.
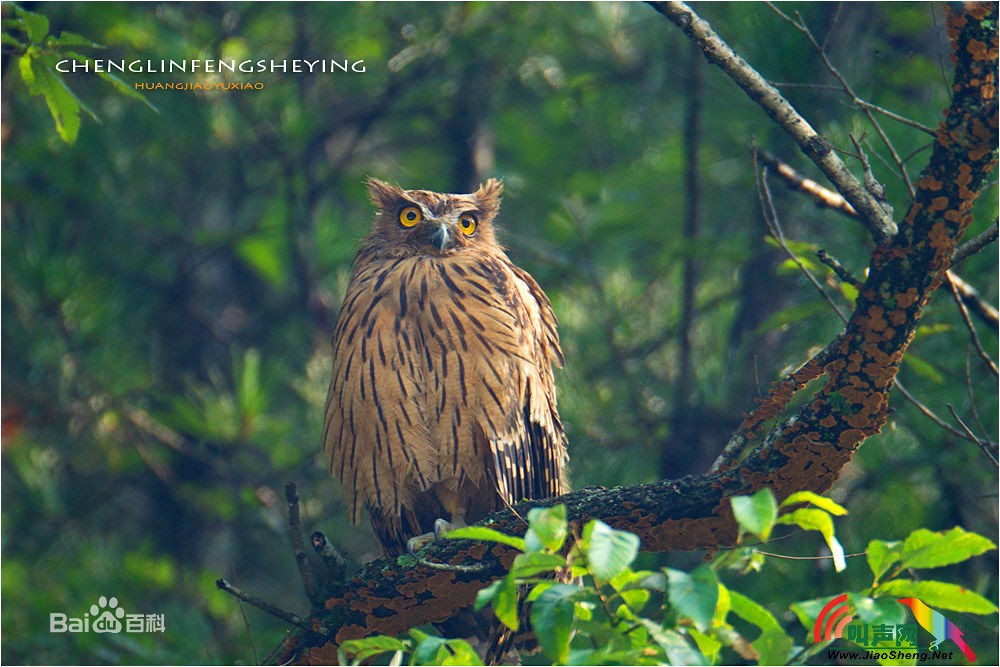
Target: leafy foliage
{"x": 614, "y": 614}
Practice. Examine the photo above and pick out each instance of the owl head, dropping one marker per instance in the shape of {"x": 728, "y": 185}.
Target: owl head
{"x": 412, "y": 222}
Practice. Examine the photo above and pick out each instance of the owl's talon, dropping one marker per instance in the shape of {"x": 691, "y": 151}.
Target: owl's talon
{"x": 415, "y": 544}
{"x": 441, "y": 527}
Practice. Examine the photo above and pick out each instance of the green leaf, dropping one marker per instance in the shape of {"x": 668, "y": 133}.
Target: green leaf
{"x": 431, "y": 650}
{"x": 357, "y": 651}
{"x": 708, "y": 644}
{"x": 635, "y": 598}
{"x": 819, "y": 501}
{"x": 546, "y": 528}
{"x": 67, "y": 38}
{"x": 938, "y": 594}
{"x": 881, "y": 556}
{"x": 552, "y": 619}
{"x": 678, "y": 650}
{"x": 694, "y": 595}
{"x": 926, "y": 549}
{"x": 773, "y": 645}
{"x": 249, "y": 391}
{"x": 756, "y": 513}
{"x": 610, "y": 551}
{"x": 35, "y": 25}
{"x": 63, "y": 105}
{"x": 486, "y": 535}
{"x": 878, "y": 611}
{"x": 924, "y": 369}
{"x": 503, "y": 594}
{"x": 118, "y": 84}
{"x": 813, "y": 519}
{"x": 531, "y": 563}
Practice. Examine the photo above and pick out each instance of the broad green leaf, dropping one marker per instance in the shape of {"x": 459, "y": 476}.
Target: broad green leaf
{"x": 877, "y": 611}
{"x": 610, "y": 551}
{"x": 694, "y": 595}
{"x": 924, "y": 369}
{"x": 635, "y": 598}
{"x": 678, "y": 650}
{"x": 773, "y": 644}
{"x": 35, "y": 25}
{"x": 813, "y": 519}
{"x": 546, "y": 528}
{"x": 531, "y": 563}
{"x": 119, "y": 85}
{"x": 356, "y": 651}
{"x": 67, "y": 38}
{"x": 752, "y": 612}
{"x": 819, "y": 501}
{"x": 756, "y": 513}
{"x": 486, "y": 535}
{"x": 651, "y": 581}
{"x": 503, "y": 595}
{"x": 773, "y": 647}
{"x": 63, "y": 105}
{"x": 431, "y": 650}
{"x": 709, "y": 645}
{"x": 808, "y": 611}
{"x": 881, "y": 556}
{"x": 938, "y": 594}
{"x": 249, "y": 391}
{"x": 552, "y": 619}
{"x": 925, "y": 549}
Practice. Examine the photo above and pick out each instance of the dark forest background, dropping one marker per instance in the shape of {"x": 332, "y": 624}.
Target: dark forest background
{"x": 171, "y": 279}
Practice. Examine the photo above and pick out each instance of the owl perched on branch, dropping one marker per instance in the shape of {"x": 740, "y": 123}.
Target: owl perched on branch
{"x": 441, "y": 403}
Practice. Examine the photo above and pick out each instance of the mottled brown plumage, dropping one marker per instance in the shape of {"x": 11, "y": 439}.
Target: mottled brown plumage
{"x": 441, "y": 401}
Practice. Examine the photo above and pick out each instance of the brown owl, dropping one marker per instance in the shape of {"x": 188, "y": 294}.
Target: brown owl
{"x": 441, "y": 403}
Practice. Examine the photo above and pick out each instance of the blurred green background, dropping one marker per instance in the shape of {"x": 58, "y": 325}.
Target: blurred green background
{"x": 171, "y": 280}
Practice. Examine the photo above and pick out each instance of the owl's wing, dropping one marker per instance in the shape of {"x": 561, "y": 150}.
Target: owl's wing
{"x": 529, "y": 454}
{"x": 375, "y": 434}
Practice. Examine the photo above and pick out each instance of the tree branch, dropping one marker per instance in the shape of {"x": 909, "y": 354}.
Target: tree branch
{"x": 805, "y": 451}
{"x": 816, "y": 147}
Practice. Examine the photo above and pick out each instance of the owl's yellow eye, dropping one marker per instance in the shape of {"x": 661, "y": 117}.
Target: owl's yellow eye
{"x": 410, "y": 216}
{"x": 467, "y": 223}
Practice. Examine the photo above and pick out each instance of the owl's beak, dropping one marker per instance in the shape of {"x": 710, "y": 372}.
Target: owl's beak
{"x": 440, "y": 237}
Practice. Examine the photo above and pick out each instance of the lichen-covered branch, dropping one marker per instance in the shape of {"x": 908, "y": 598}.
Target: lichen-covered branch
{"x": 806, "y": 451}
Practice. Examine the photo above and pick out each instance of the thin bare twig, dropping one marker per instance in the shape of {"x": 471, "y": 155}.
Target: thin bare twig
{"x": 263, "y": 605}
{"x": 972, "y": 398}
{"x": 968, "y": 325}
{"x": 829, "y": 199}
{"x": 838, "y": 268}
{"x": 927, "y": 412}
{"x": 799, "y": 24}
{"x": 896, "y": 117}
{"x": 975, "y": 244}
{"x": 982, "y": 443}
{"x": 299, "y": 545}
{"x": 816, "y": 147}
{"x": 773, "y": 224}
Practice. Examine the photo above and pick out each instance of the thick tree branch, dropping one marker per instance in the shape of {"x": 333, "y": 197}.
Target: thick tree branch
{"x": 806, "y": 451}
{"x": 816, "y": 147}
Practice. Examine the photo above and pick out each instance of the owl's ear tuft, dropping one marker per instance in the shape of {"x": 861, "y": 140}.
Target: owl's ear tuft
{"x": 489, "y": 194}
{"x": 382, "y": 194}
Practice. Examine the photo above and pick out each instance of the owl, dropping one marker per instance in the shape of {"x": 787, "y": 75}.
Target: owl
{"x": 442, "y": 405}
